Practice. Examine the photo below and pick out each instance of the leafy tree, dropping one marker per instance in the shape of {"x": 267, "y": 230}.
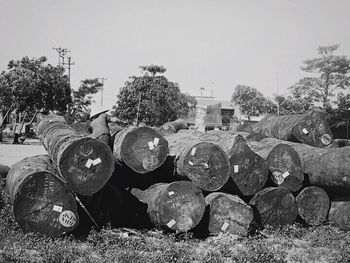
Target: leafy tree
{"x": 252, "y": 102}
{"x": 152, "y": 99}
{"x": 32, "y": 85}
{"x": 332, "y": 75}
{"x": 153, "y": 69}
{"x": 290, "y": 105}
{"x": 83, "y": 98}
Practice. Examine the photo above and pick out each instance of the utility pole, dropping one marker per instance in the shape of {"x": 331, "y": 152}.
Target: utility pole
{"x": 69, "y": 63}
{"x": 102, "y": 80}
{"x": 61, "y": 53}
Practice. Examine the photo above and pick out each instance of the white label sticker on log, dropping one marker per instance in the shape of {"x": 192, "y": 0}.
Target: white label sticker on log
{"x": 67, "y": 218}
{"x": 90, "y": 162}
{"x": 171, "y": 223}
{"x": 171, "y": 193}
{"x": 191, "y": 163}
{"x": 278, "y": 177}
{"x": 235, "y": 168}
{"x": 224, "y": 226}
{"x": 193, "y": 152}
{"x": 285, "y": 174}
{"x": 305, "y": 131}
{"x": 155, "y": 141}
{"x": 150, "y": 145}
{"x": 57, "y": 208}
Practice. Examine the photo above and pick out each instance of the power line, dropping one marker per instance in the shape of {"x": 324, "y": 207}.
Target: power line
{"x": 61, "y": 53}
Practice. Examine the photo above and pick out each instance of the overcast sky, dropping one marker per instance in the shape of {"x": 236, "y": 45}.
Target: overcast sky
{"x": 215, "y": 44}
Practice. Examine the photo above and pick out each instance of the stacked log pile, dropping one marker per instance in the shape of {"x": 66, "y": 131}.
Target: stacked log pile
{"x": 218, "y": 181}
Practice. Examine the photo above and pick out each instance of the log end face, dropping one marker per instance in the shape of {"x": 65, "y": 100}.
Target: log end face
{"x": 182, "y": 206}
{"x": 86, "y": 164}
{"x": 339, "y": 214}
{"x": 313, "y": 205}
{"x": 142, "y": 149}
{"x": 44, "y": 205}
{"x": 206, "y": 165}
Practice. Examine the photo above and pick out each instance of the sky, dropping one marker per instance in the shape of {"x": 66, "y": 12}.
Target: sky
{"x": 215, "y": 44}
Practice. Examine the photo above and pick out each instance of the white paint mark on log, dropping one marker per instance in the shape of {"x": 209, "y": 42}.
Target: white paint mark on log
{"x": 171, "y": 223}
{"x": 171, "y": 193}
{"x": 206, "y": 165}
{"x": 191, "y": 163}
{"x": 67, "y": 218}
{"x": 326, "y": 139}
{"x": 285, "y": 174}
{"x": 305, "y": 131}
{"x": 235, "y": 168}
{"x": 90, "y": 162}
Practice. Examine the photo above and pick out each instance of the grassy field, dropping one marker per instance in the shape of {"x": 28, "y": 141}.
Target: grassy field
{"x": 293, "y": 243}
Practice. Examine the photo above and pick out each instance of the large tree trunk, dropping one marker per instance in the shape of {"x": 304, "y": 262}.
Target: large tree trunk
{"x": 274, "y": 206}
{"x": 42, "y": 202}
{"x": 228, "y": 213}
{"x": 313, "y": 205}
{"x": 172, "y": 127}
{"x": 248, "y": 170}
{"x": 85, "y": 163}
{"x": 309, "y": 128}
{"x": 328, "y": 168}
{"x": 204, "y": 163}
{"x": 141, "y": 148}
{"x": 178, "y": 206}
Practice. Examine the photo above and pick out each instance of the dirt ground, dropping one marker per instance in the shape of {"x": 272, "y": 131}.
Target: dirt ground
{"x": 12, "y": 153}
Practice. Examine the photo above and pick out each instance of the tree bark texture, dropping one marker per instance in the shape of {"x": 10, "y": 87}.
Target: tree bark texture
{"x": 172, "y": 127}
{"x": 85, "y": 163}
{"x": 228, "y": 214}
{"x": 141, "y": 148}
{"x": 313, "y": 205}
{"x": 42, "y": 202}
{"x": 178, "y": 206}
{"x": 204, "y": 163}
{"x": 328, "y": 168}
{"x": 310, "y": 128}
{"x": 100, "y": 130}
{"x": 274, "y": 206}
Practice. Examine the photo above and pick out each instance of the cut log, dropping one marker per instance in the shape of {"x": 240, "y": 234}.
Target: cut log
{"x": 285, "y": 166}
{"x": 274, "y": 206}
{"x": 172, "y": 127}
{"x": 204, "y": 163}
{"x": 85, "y": 163}
{"x": 339, "y": 214}
{"x": 178, "y": 206}
{"x": 313, "y": 205}
{"x": 228, "y": 213}
{"x": 42, "y": 202}
{"x": 328, "y": 168}
{"x": 141, "y": 148}
{"x": 4, "y": 169}
{"x": 100, "y": 130}
{"x": 249, "y": 171}
{"x": 310, "y": 128}
{"x": 283, "y": 162}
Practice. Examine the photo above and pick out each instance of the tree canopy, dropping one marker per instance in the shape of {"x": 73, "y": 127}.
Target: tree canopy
{"x": 152, "y": 99}
{"x": 252, "y": 102}
{"x": 331, "y": 74}
{"x": 291, "y": 105}
{"x": 30, "y": 85}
